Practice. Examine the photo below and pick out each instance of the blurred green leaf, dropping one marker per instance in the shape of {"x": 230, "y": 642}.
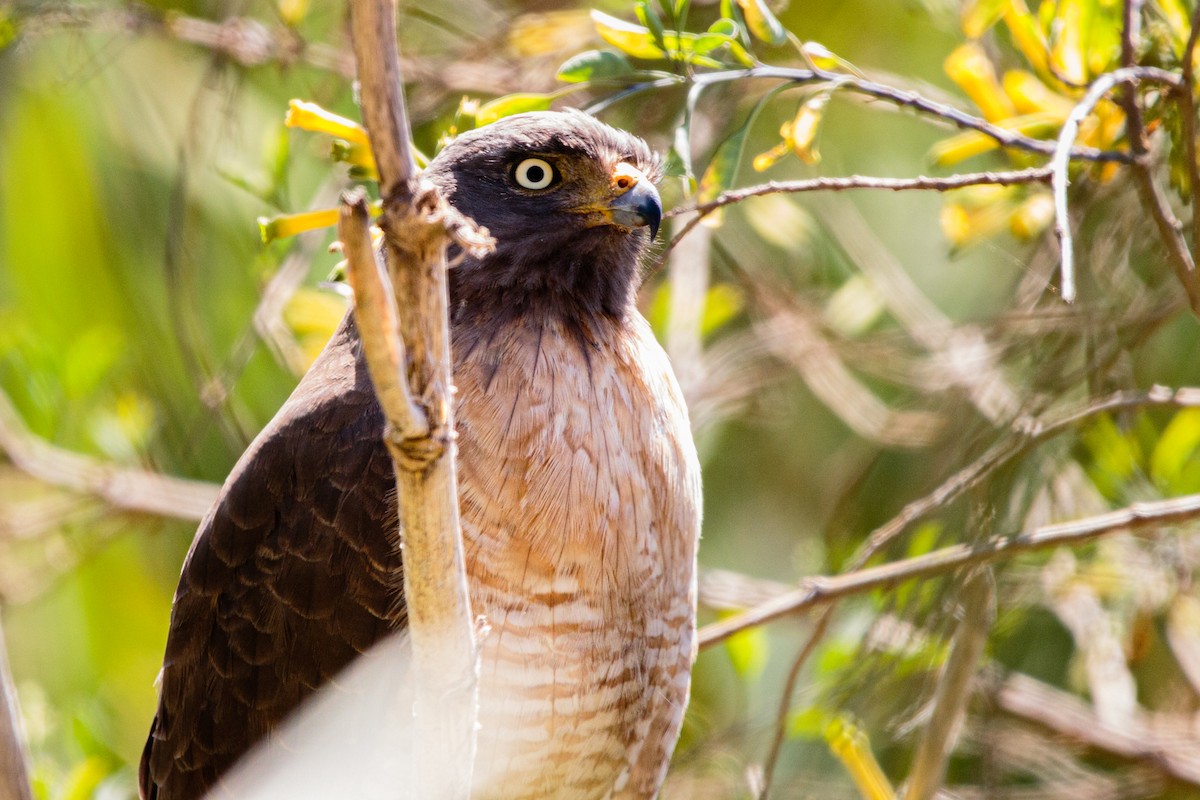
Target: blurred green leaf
{"x": 1115, "y": 456}
{"x": 594, "y": 65}
{"x": 653, "y": 22}
{"x": 510, "y": 104}
{"x": 722, "y": 303}
{"x": 1176, "y": 450}
{"x": 89, "y": 359}
{"x": 722, "y": 170}
{"x": 635, "y": 40}
{"x": 81, "y": 783}
{"x": 748, "y": 652}
{"x": 8, "y": 28}
{"x": 808, "y": 724}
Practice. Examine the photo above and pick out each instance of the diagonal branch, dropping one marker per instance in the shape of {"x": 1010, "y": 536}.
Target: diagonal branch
{"x": 818, "y": 591}
{"x": 121, "y": 487}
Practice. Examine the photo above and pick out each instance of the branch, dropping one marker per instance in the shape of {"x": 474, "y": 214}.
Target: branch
{"x": 977, "y": 614}
{"x": 126, "y": 489}
{"x": 818, "y": 591}
{"x": 409, "y": 357}
{"x": 1006, "y": 451}
{"x": 820, "y": 627}
{"x": 14, "y": 755}
{"x": 1063, "y": 153}
{"x": 841, "y": 184}
{"x": 1187, "y": 114}
{"x": 1067, "y": 716}
{"x": 909, "y": 99}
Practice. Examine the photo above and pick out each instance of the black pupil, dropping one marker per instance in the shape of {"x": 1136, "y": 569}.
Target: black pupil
{"x": 535, "y": 174}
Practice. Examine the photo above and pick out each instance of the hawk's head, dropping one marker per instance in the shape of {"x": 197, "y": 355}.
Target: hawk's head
{"x": 571, "y": 203}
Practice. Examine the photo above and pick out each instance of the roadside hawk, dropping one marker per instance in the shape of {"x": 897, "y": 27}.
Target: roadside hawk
{"x": 579, "y": 490}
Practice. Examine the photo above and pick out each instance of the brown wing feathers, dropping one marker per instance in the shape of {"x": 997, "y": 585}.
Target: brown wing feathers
{"x": 294, "y": 573}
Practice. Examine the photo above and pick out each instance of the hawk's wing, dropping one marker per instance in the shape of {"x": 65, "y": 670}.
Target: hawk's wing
{"x": 294, "y": 572}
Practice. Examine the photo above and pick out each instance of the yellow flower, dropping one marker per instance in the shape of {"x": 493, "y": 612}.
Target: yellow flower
{"x": 969, "y": 67}
{"x": 286, "y": 225}
{"x": 853, "y": 749}
{"x": 311, "y": 117}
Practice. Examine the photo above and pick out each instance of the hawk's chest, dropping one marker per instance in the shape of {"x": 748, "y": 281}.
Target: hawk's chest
{"x": 580, "y": 507}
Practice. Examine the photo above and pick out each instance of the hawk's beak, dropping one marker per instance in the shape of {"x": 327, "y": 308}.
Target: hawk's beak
{"x": 635, "y": 202}
{"x": 629, "y": 201}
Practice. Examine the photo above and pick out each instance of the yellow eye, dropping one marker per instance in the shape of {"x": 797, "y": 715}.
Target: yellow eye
{"x": 534, "y": 173}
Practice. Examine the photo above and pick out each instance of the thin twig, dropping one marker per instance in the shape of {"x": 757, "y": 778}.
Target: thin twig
{"x": 1006, "y": 451}
{"x": 1063, "y": 155}
{"x": 818, "y": 591}
{"x": 820, "y": 626}
{"x": 1170, "y": 230}
{"x": 953, "y": 688}
{"x": 14, "y": 752}
{"x": 1187, "y": 113}
{"x": 841, "y": 184}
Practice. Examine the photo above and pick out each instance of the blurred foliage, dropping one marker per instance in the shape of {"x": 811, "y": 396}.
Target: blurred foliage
{"x": 846, "y": 354}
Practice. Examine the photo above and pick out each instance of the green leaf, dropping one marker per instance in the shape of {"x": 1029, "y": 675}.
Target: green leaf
{"x": 722, "y": 170}
{"x": 808, "y": 723}
{"x": 510, "y": 104}
{"x": 722, "y": 303}
{"x": 1176, "y": 449}
{"x": 748, "y": 651}
{"x": 634, "y": 40}
{"x": 8, "y": 29}
{"x": 762, "y": 23}
{"x": 594, "y": 65}
{"x": 653, "y": 22}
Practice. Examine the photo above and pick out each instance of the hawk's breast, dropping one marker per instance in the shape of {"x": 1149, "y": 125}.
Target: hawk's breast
{"x": 580, "y": 497}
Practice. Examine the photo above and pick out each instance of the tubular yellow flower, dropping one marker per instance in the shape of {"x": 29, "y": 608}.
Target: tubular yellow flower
{"x": 1032, "y": 217}
{"x": 969, "y": 67}
{"x": 965, "y": 145}
{"x": 853, "y": 749}
{"x": 311, "y": 117}
{"x": 803, "y": 130}
{"x": 1031, "y": 96}
{"x": 1027, "y": 36}
{"x": 286, "y": 225}
{"x": 1067, "y": 53}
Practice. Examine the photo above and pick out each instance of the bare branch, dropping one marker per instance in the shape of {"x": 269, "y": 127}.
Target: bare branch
{"x": 417, "y": 226}
{"x": 820, "y": 626}
{"x": 126, "y": 489}
{"x": 1063, "y": 155}
{"x": 14, "y": 755}
{"x": 1068, "y": 716}
{"x": 818, "y": 591}
{"x": 1009, "y": 449}
{"x": 953, "y": 688}
{"x": 378, "y": 326}
{"x": 841, "y": 184}
{"x": 909, "y": 99}
{"x": 1187, "y": 115}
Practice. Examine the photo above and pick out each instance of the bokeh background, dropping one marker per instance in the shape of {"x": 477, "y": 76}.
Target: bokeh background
{"x": 843, "y": 355}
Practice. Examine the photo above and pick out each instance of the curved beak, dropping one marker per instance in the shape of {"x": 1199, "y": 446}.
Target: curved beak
{"x": 638, "y": 203}
{"x": 630, "y": 202}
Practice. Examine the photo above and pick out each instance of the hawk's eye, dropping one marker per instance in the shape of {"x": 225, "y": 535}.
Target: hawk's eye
{"x": 534, "y": 173}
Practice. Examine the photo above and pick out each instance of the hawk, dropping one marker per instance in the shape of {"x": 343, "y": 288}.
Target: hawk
{"x": 579, "y": 489}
